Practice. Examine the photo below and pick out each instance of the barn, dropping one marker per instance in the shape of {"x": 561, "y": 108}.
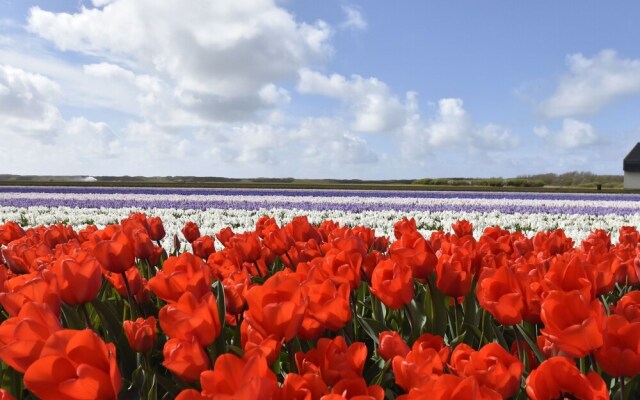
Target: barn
{"x": 631, "y": 167}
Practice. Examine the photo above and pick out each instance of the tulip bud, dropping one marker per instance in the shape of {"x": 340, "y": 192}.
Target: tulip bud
{"x": 141, "y": 334}
{"x": 391, "y": 345}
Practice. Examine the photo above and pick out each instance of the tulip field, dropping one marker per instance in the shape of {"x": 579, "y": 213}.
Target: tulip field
{"x": 148, "y": 293}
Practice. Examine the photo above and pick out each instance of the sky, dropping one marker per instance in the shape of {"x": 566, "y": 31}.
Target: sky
{"x": 318, "y": 89}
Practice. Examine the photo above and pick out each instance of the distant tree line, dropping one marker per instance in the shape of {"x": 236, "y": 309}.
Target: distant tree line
{"x": 568, "y": 179}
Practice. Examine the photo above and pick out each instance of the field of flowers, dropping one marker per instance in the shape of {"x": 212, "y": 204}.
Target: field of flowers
{"x": 287, "y": 294}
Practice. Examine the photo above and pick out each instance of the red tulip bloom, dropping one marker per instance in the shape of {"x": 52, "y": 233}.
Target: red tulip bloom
{"x": 404, "y": 226}
{"x": 180, "y": 274}
{"x": 328, "y": 307}
{"x": 302, "y": 387}
{"x": 493, "y": 366}
{"x": 38, "y": 287}
{"x": 426, "y": 360}
{"x": 9, "y": 232}
{"x": 392, "y": 283}
{"x": 415, "y": 252}
{"x": 499, "y": 293}
{"x": 333, "y": 359}
{"x": 185, "y": 358}
{"x": 573, "y": 324}
{"x": 391, "y": 344}
{"x": 253, "y": 342}
{"x": 115, "y": 254}
{"x": 277, "y": 307}
{"x": 628, "y": 306}
{"x": 22, "y": 337}
{"x": 190, "y": 316}
{"x": 452, "y": 387}
{"x": 141, "y": 334}
{"x": 75, "y": 365}
{"x": 203, "y": 246}
{"x": 239, "y": 378}
{"x": 455, "y": 273}
{"x": 277, "y": 239}
{"x": 156, "y": 228}
{"x": 620, "y": 353}
{"x": 558, "y": 377}
{"x": 79, "y": 277}
{"x": 355, "y": 388}
{"x": 190, "y": 231}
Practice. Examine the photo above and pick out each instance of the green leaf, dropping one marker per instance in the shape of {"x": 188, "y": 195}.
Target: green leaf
{"x": 531, "y": 343}
{"x": 440, "y": 307}
{"x": 367, "y": 323}
{"x": 482, "y": 339}
{"x": 72, "y": 318}
{"x": 470, "y": 306}
{"x": 112, "y": 326}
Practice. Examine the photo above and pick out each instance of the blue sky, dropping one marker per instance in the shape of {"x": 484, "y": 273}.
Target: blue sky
{"x": 331, "y": 89}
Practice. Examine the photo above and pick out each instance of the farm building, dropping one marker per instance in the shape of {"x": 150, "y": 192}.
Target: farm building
{"x": 631, "y": 167}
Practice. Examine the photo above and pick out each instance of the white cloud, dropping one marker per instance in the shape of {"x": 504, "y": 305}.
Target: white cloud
{"x": 572, "y": 135}
{"x": 451, "y": 125}
{"x": 26, "y": 103}
{"x": 451, "y": 128}
{"x": 101, "y": 3}
{"x": 217, "y": 51}
{"x": 592, "y": 84}
{"x": 373, "y": 106}
{"x": 494, "y": 137}
{"x": 541, "y": 131}
{"x": 353, "y": 18}
{"x": 271, "y": 94}
{"x": 30, "y": 120}
{"x": 313, "y": 142}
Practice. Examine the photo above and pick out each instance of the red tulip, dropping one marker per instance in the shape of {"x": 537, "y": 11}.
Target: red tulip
{"x": 276, "y": 307}
{"x": 574, "y": 324}
{"x": 190, "y": 231}
{"x": 141, "y": 334}
{"x": 203, "y": 246}
{"x": 192, "y": 317}
{"x": 240, "y": 378}
{"x": 115, "y": 254}
{"x": 185, "y": 358}
{"x": 391, "y": 344}
{"x": 558, "y": 377}
{"x": 22, "y": 337}
{"x": 392, "y": 283}
{"x": 180, "y": 274}
{"x": 75, "y": 365}
{"x": 79, "y": 277}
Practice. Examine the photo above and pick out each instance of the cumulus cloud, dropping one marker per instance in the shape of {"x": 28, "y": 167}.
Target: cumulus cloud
{"x": 319, "y": 142}
{"x": 30, "y": 119}
{"x": 353, "y": 18}
{"x": 451, "y": 127}
{"x": 572, "y": 135}
{"x": 221, "y": 55}
{"x": 373, "y": 106}
{"x": 592, "y": 84}
{"x": 26, "y": 103}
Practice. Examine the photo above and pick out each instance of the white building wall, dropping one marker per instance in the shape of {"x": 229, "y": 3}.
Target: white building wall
{"x": 632, "y": 180}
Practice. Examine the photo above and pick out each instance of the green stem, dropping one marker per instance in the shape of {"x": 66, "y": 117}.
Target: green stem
{"x": 85, "y": 313}
{"x": 133, "y": 304}
{"x": 292, "y": 358}
{"x": 455, "y": 317}
{"x": 621, "y": 380}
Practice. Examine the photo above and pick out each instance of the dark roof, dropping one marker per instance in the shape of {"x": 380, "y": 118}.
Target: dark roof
{"x": 632, "y": 160}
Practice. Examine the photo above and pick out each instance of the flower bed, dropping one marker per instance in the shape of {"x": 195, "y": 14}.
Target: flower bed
{"x": 296, "y": 310}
